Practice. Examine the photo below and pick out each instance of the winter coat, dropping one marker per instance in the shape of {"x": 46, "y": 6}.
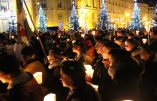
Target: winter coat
{"x": 148, "y": 82}
{"x": 25, "y": 88}
{"x": 125, "y": 81}
{"x": 85, "y": 93}
{"x": 102, "y": 79}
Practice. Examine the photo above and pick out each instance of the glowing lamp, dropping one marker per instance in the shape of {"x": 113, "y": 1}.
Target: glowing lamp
{"x": 50, "y": 97}
{"x": 127, "y": 100}
{"x": 38, "y": 77}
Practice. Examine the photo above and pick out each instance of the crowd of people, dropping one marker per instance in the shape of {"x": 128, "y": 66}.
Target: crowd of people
{"x": 124, "y": 64}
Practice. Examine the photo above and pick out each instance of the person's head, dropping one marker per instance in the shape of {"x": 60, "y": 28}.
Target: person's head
{"x": 72, "y": 74}
{"x": 9, "y": 68}
{"x": 107, "y": 47}
{"x": 77, "y": 48}
{"x": 131, "y": 44}
{"x": 119, "y": 41}
{"x": 154, "y": 33}
{"x": 28, "y": 53}
{"x": 145, "y": 52}
{"x": 116, "y": 58}
{"x": 99, "y": 45}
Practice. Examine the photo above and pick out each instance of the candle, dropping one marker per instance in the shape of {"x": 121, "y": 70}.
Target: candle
{"x": 50, "y": 97}
{"x": 38, "y": 77}
{"x": 93, "y": 32}
{"x": 89, "y": 71}
{"x": 144, "y": 41}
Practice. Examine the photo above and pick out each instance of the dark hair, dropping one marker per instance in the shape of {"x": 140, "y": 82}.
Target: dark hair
{"x": 120, "y": 54}
{"x": 111, "y": 45}
{"x": 75, "y": 70}
{"x": 154, "y": 30}
{"x": 9, "y": 64}
{"x": 28, "y": 51}
{"x": 133, "y": 42}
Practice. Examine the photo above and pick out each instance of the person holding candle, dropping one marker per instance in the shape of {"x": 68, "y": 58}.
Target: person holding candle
{"x": 73, "y": 77}
{"x": 125, "y": 73}
{"x": 21, "y": 85}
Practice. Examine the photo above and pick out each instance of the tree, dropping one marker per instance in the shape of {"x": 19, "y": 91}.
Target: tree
{"x": 136, "y": 18}
{"x": 42, "y": 20}
{"x": 103, "y": 20}
{"x": 155, "y": 18}
{"x": 73, "y": 19}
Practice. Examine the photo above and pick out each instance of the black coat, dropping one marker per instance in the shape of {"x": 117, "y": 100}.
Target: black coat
{"x": 85, "y": 93}
{"x": 27, "y": 90}
{"x": 148, "y": 82}
{"x": 102, "y": 79}
{"x": 125, "y": 82}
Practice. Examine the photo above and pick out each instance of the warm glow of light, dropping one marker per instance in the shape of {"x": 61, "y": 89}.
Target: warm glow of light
{"x": 127, "y": 14}
{"x": 89, "y": 70}
{"x": 50, "y": 97}
{"x": 127, "y": 100}
{"x": 38, "y": 77}
{"x": 145, "y": 18}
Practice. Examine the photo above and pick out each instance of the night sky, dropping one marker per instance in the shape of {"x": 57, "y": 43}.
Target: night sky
{"x": 151, "y": 2}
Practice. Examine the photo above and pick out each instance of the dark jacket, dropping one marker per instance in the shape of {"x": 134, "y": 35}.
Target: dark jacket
{"x": 102, "y": 79}
{"x": 26, "y": 88}
{"x": 85, "y": 93}
{"x": 148, "y": 82}
{"x": 125, "y": 82}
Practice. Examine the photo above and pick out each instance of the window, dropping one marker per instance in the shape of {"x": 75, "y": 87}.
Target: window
{"x": 59, "y": 4}
{"x": 94, "y": 4}
{"x": 4, "y": 5}
{"x": 43, "y": 5}
{"x": 59, "y": 16}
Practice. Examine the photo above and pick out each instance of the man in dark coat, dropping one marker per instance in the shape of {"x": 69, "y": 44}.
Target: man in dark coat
{"x": 21, "y": 85}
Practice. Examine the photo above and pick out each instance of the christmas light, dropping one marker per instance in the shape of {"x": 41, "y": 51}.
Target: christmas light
{"x": 103, "y": 21}
{"x": 73, "y": 19}
{"x": 42, "y": 20}
{"x": 155, "y": 18}
{"x": 136, "y": 19}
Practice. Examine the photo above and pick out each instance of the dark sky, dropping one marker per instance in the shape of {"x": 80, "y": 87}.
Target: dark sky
{"x": 151, "y": 2}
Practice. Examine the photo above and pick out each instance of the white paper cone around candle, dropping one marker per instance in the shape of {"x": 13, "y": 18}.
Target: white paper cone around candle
{"x": 144, "y": 41}
{"x": 50, "y": 97}
{"x": 127, "y": 100}
{"x": 38, "y": 77}
{"x": 89, "y": 71}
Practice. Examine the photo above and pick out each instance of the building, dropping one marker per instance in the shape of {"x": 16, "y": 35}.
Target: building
{"x": 58, "y": 12}
{"x": 120, "y": 12}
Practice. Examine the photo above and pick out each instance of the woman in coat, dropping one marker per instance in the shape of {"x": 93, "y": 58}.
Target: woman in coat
{"x": 73, "y": 77}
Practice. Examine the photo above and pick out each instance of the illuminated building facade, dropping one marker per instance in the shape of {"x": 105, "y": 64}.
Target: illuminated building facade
{"x": 120, "y": 12}
{"x": 58, "y": 11}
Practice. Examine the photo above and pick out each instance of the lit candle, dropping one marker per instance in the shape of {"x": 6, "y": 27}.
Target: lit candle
{"x": 50, "y": 97}
{"x": 144, "y": 41}
{"x": 38, "y": 77}
{"x": 89, "y": 71}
